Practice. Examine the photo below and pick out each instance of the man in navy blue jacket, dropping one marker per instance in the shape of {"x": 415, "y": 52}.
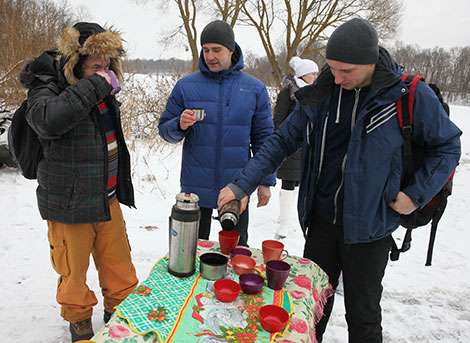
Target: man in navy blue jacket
{"x": 352, "y": 165}
{"x": 237, "y": 122}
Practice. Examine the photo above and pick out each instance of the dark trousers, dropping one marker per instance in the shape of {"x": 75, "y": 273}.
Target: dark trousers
{"x": 241, "y": 227}
{"x": 363, "y": 266}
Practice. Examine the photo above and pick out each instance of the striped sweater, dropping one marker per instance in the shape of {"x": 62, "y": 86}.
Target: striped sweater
{"x": 112, "y": 149}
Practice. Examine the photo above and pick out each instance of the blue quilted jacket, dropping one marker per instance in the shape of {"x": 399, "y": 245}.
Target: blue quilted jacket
{"x": 237, "y": 123}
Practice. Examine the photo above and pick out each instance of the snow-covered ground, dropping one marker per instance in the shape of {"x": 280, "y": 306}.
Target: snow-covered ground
{"x": 420, "y": 304}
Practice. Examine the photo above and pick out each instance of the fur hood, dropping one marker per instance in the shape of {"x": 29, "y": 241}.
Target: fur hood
{"x": 107, "y": 44}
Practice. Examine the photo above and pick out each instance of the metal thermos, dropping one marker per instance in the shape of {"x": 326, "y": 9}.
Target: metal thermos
{"x": 229, "y": 214}
{"x": 184, "y": 231}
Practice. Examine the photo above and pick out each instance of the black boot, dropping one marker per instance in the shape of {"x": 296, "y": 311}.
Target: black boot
{"x": 81, "y": 330}
{"x": 107, "y": 316}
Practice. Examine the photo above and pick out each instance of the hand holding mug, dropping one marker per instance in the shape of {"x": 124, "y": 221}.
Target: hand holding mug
{"x": 105, "y": 75}
{"x": 187, "y": 119}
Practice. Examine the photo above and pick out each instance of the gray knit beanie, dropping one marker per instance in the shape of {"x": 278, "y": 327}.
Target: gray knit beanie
{"x": 355, "y": 42}
{"x": 218, "y": 32}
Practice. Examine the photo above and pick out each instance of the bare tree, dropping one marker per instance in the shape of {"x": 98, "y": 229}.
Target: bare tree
{"x": 449, "y": 69}
{"x": 302, "y": 24}
{"x": 187, "y": 10}
{"x": 305, "y": 23}
{"x": 459, "y": 84}
{"x": 27, "y": 28}
{"x": 229, "y": 10}
{"x": 386, "y": 16}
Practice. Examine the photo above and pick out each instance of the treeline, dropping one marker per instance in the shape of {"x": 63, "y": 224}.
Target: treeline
{"x": 150, "y": 66}
{"x": 27, "y": 27}
{"x": 449, "y": 69}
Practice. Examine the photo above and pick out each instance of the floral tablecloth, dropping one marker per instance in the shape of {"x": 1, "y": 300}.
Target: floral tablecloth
{"x": 164, "y": 308}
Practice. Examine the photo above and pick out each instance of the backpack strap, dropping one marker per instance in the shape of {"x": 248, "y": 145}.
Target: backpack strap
{"x": 405, "y": 117}
{"x": 435, "y": 220}
{"x": 405, "y": 120}
{"x": 405, "y": 246}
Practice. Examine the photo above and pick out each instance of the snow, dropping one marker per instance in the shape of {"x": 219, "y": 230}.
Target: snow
{"x": 420, "y": 304}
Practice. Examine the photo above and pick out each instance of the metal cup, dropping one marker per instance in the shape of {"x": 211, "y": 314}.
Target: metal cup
{"x": 213, "y": 266}
{"x": 198, "y": 113}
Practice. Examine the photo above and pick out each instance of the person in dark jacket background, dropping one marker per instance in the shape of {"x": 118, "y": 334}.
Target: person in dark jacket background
{"x": 350, "y": 199}
{"x": 305, "y": 73}
{"x": 237, "y": 122}
{"x": 85, "y": 172}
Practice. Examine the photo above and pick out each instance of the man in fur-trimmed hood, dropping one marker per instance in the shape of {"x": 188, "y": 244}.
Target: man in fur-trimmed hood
{"x": 84, "y": 174}
{"x": 89, "y": 39}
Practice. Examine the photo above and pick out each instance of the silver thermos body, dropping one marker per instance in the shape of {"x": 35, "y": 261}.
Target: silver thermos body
{"x": 184, "y": 232}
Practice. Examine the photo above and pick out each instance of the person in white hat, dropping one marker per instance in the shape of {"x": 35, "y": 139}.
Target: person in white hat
{"x": 305, "y": 73}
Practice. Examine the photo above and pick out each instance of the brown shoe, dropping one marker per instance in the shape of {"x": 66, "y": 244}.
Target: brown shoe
{"x": 81, "y": 330}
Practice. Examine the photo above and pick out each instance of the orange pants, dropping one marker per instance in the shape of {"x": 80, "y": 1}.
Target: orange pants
{"x": 71, "y": 246}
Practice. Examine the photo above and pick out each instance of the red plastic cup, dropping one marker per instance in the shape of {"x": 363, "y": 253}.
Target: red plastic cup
{"x": 273, "y": 318}
{"x": 228, "y": 240}
{"x": 272, "y": 250}
{"x": 226, "y": 290}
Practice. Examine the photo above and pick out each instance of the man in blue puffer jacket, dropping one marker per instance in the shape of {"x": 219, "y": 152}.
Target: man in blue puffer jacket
{"x": 237, "y": 122}
{"x": 352, "y": 166}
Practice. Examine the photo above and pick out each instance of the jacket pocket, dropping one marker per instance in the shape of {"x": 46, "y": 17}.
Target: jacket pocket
{"x": 58, "y": 252}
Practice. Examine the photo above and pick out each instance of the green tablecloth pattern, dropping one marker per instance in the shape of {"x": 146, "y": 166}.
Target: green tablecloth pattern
{"x": 165, "y": 308}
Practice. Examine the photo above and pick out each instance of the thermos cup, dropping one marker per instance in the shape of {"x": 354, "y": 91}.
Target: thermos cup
{"x": 229, "y": 214}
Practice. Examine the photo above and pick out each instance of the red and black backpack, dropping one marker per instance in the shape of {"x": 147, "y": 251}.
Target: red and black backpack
{"x": 414, "y": 154}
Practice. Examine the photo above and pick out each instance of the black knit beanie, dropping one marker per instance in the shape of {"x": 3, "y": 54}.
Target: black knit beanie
{"x": 355, "y": 42}
{"x": 86, "y": 30}
{"x": 218, "y": 32}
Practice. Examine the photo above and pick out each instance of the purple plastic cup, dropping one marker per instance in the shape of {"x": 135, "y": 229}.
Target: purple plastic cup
{"x": 115, "y": 88}
{"x": 251, "y": 283}
{"x": 277, "y": 272}
{"x": 239, "y": 251}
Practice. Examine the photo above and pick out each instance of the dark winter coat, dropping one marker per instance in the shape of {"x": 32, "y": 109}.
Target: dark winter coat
{"x": 374, "y": 166}
{"x": 72, "y": 177}
{"x": 285, "y": 104}
{"x": 238, "y": 121}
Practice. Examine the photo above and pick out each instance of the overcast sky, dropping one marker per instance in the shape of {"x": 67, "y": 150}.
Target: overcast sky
{"x": 428, "y": 23}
